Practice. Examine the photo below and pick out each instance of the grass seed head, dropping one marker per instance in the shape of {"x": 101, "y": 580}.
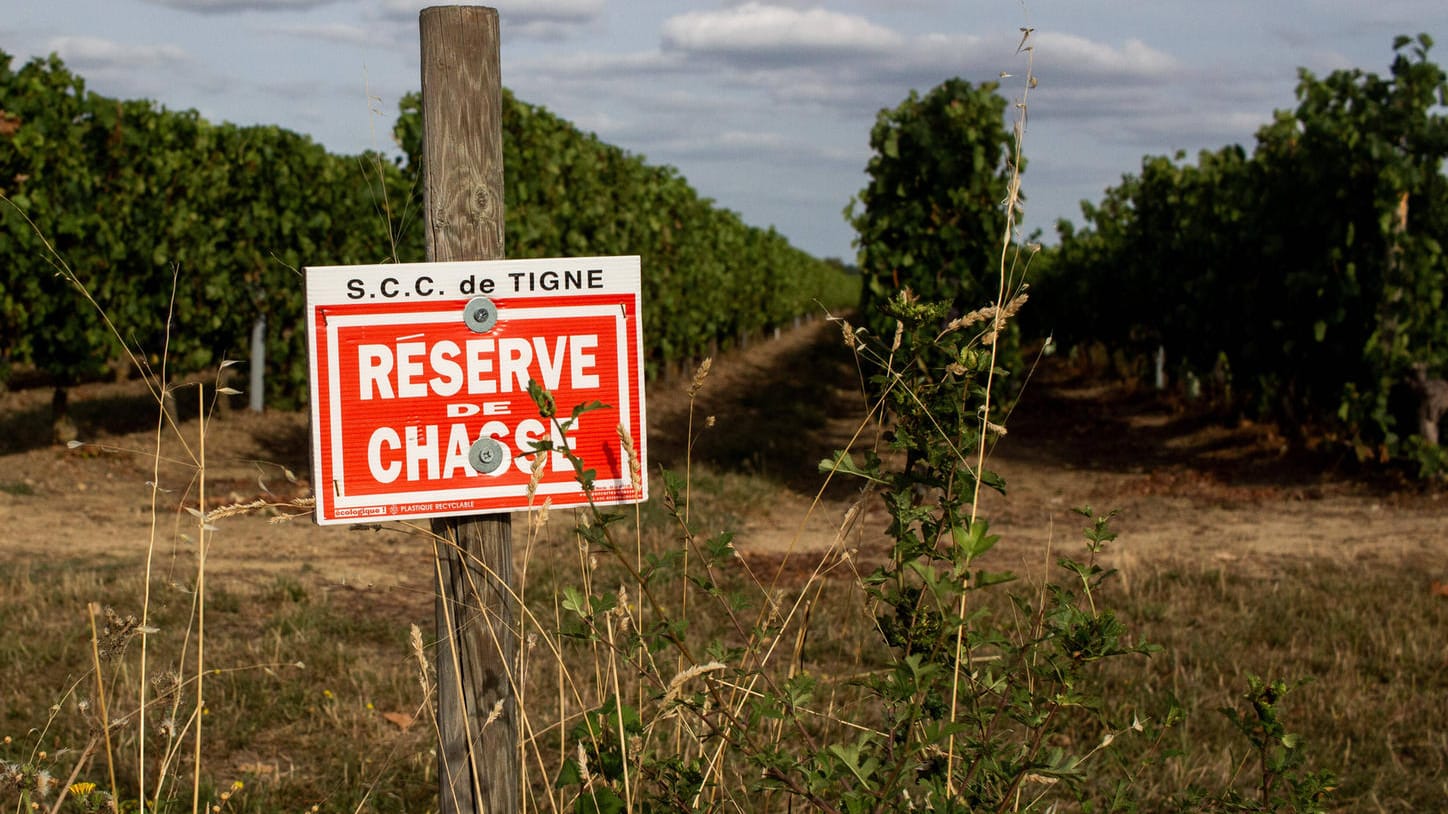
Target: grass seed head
{"x": 414, "y": 638}
{"x": 700, "y": 375}
{"x": 535, "y": 475}
{"x": 676, "y": 684}
{"x": 1004, "y": 314}
{"x": 583, "y": 771}
{"x": 494, "y": 714}
{"x": 635, "y": 469}
{"x": 539, "y": 518}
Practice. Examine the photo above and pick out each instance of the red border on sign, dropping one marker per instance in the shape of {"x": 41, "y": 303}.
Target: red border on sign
{"x": 401, "y": 390}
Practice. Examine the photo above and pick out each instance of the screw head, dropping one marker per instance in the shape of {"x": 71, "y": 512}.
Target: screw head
{"x": 486, "y": 456}
{"x": 480, "y": 314}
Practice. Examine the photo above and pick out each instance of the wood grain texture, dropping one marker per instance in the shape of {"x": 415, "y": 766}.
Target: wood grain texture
{"x": 462, "y": 133}
{"x": 462, "y": 157}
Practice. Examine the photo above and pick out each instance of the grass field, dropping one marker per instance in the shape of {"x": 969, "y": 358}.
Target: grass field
{"x": 316, "y": 693}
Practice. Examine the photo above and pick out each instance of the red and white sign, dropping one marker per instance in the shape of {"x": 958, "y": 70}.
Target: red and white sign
{"x": 419, "y": 385}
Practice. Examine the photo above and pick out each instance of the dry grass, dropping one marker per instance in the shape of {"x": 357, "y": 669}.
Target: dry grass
{"x": 192, "y": 692}
{"x": 313, "y": 698}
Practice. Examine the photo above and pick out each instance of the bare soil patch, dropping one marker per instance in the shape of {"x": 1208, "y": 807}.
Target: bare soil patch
{"x": 1187, "y": 486}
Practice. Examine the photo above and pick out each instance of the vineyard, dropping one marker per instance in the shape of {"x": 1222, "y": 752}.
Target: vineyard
{"x": 1303, "y": 282}
{"x": 188, "y": 234}
{"x": 833, "y": 602}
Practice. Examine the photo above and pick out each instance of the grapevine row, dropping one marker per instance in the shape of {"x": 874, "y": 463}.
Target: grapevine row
{"x": 1303, "y": 282}
{"x": 187, "y": 232}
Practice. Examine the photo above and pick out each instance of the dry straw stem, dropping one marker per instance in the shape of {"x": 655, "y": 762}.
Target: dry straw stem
{"x": 202, "y": 539}
{"x": 93, "y": 609}
{"x": 161, "y": 392}
{"x": 636, "y": 477}
{"x": 530, "y": 736}
{"x": 1012, "y": 203}
{"x": 695, "y": 386}
{"x": 605, "y": 666}
{"x": 759, "y": 651}
{"x": 148, "y": 697}
{"x": 622, "y": 733}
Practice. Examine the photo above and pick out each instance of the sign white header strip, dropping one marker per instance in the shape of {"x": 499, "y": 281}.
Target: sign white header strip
{"x": 491, "y": 278}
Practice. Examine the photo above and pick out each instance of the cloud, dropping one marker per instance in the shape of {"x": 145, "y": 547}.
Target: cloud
{"x": 756, "y": 34}
{"x": 343, "y": 33}
{"x": 1199, "y": 110}
{"x": 767, "y": 62}
{"x": 829, "y": 60}
{"x": 1074, "y": 59}
{"x": 595, "y": 67}
{"x": 558, "y": 11}
{"x": 759, "y": 145}
{"x": 237, "y": 6}
{"x": 96, "y": 54}
{"x": 1194, "y": 130}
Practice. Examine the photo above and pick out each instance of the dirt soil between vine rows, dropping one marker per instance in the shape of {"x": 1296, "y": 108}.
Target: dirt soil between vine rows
{"x": 1188, "y": 488}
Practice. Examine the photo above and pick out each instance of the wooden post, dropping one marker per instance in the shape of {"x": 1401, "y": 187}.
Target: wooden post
{"x": 462, "y": 162}
{"x": 256, "y": 389}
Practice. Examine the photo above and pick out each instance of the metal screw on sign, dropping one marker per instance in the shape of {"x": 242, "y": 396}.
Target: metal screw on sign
{"x": 486, "y": 455}
{"x": 480, "y": 314}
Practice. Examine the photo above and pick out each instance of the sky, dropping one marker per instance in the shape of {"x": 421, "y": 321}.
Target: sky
{"x": 765, "y": 106}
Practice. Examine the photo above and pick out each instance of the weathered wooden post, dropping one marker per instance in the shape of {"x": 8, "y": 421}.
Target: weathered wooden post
{"x": 462, "y": 159}
{"x": 420, "y": 380}
{"x": 256, "y": 392}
